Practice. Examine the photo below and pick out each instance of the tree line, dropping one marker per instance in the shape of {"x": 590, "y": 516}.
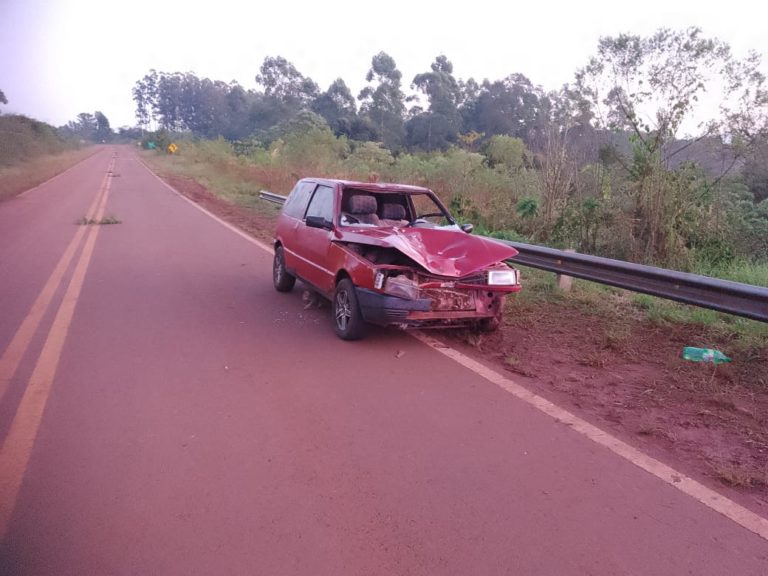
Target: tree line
{"x": 602, "y": 155}
{"x": 381, "y": 112}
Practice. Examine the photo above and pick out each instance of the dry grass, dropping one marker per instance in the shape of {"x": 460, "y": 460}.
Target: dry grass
{"x": 25, "y": 175}
{"x": 738, "y": 478}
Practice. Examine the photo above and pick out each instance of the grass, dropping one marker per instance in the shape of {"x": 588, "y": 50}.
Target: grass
{"x": 741, "y": 271}
{"x": 734, "y": 477}
{"x": 622, "y": 307}
{"x": 232, "y": 179}
{"x": 85, "y": 221}
{"x": 29, "y": 173}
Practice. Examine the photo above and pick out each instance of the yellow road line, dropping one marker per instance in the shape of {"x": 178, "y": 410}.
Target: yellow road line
{"x": 15, "y": 351}
{"x": 17, "y": 447}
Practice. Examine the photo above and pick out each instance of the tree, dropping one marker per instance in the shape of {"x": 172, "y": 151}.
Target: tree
{"x": 145, "y": 96}
{"x": 3, "y": 99}
{"x": 84, "y": 127}
{"x": 648, "y": 87}
{"x": 238, "y": 106}
{"x": 383, "y": 100}
{"x": 103, "y": 132}
{"x": 511, "y": 107}
{"x": 285, "y": 84}
{"x": 439, "y": 126}
{"x": 755, "y": 170}
{"x": 337, "y": 106}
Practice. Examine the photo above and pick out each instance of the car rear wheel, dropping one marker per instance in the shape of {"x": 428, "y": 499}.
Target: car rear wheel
{"x": 282, "y": 280}
{"x": 348, "y": 321}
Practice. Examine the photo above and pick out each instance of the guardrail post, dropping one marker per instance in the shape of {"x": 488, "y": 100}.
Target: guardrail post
{"x": 565, "y": 282}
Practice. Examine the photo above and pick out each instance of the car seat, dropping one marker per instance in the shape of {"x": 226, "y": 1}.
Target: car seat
{"x": 393, "y": 213}
{"x": 363, "y": 207}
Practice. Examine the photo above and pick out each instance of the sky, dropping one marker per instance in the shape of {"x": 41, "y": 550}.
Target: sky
{"x": 63, "y": 57}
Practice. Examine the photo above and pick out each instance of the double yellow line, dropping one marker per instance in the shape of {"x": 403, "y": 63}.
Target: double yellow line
{"x": 17, "y": 445}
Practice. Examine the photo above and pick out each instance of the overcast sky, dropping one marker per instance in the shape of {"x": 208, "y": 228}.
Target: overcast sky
{"x": 62, "y": 57}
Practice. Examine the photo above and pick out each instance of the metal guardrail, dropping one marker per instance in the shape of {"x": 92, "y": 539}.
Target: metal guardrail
{"x": 276, "y": 198}
{"x": 722, "y": 295}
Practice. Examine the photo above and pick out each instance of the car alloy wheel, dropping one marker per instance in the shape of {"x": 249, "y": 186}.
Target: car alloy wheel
{"x": 348, "y": 321}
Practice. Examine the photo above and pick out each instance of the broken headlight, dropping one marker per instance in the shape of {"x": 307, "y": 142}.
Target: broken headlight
{"x": 401, "y": 285}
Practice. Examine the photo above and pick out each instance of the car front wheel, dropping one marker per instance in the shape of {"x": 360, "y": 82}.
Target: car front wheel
{"x": 348, "y": 321}
{"x": 282, "y": 280}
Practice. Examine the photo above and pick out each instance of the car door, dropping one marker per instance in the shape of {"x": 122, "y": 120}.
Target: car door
{"x": 291, "y": 220}
{"x": 313, "y": 244}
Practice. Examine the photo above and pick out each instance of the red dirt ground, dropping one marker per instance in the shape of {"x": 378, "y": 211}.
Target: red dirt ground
{"x": 628, "y": 377}
{"x": 624, "y": 375}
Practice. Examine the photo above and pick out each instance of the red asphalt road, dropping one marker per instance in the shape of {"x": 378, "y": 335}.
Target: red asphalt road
{"x": 201, "y": 423}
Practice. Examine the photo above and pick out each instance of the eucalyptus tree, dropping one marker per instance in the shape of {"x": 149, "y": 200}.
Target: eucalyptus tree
{"x": 383, "y": 100}
{"x": 513, "y": 106}
{"x": 286, "y": 92}
{"x": 439, "y": 126}
{"x": 337, "y": 106}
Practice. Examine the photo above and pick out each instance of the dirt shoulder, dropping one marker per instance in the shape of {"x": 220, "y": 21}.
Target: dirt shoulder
{"x": 627, "y": 376}
{"x": 619, "y": 371}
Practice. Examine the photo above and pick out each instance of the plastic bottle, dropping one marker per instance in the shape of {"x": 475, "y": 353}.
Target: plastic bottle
{"x": 704, "y": 355}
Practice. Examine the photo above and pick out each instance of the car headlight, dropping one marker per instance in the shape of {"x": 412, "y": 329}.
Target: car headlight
{"x": 502, "y": 277}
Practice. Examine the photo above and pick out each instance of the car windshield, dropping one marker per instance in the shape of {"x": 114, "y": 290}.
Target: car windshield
{"x": 380, "y": 209}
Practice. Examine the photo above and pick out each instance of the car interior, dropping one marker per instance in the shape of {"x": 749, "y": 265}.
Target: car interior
{"x": 362, "y": 207}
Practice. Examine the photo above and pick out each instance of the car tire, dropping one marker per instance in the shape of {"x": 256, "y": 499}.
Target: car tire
{"x": 282, "y": 280}
{"x": 347, "y": 319}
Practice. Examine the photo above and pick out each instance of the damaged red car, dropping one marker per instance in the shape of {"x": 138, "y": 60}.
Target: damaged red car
{"x": 389, "y": 254}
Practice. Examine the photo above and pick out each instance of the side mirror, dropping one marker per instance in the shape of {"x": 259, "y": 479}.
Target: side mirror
{"x": 318, "y": 222}
{"x": 467, "y": 227}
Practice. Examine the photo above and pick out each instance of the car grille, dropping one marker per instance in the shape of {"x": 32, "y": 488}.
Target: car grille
{"x": 449, "y": 299}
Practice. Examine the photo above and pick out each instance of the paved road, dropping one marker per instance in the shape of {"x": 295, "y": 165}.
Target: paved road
{"x": 167, "y": 412}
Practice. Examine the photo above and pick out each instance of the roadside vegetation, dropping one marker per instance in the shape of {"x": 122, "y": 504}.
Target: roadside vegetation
{"x": 624, "y": 162}
{"x": 238, "y": 179}
{"x": 31, "y": 152}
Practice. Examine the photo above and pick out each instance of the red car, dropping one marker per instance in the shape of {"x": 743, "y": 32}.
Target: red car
{"x": 389, "y": 254}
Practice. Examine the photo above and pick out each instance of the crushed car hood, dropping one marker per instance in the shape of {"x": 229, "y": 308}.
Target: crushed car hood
{"x": 442, "y": 252}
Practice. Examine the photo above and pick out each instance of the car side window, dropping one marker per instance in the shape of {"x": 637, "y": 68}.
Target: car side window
{"x": 298, "y": 199}
{"x": 322, "y": 203}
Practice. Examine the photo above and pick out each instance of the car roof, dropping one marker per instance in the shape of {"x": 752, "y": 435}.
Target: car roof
{"x": 369, "y": 186}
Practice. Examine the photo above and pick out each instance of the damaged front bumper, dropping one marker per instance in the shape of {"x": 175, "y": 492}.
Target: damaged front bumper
{"x": 378, "y": 308}
{"x": 384, "y": 309}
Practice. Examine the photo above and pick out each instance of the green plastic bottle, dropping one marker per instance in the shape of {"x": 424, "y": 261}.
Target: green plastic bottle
{"x": 704, "y": 355}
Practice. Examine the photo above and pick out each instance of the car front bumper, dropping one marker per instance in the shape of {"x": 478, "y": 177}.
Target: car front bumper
{"x": 382, "y": 309}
